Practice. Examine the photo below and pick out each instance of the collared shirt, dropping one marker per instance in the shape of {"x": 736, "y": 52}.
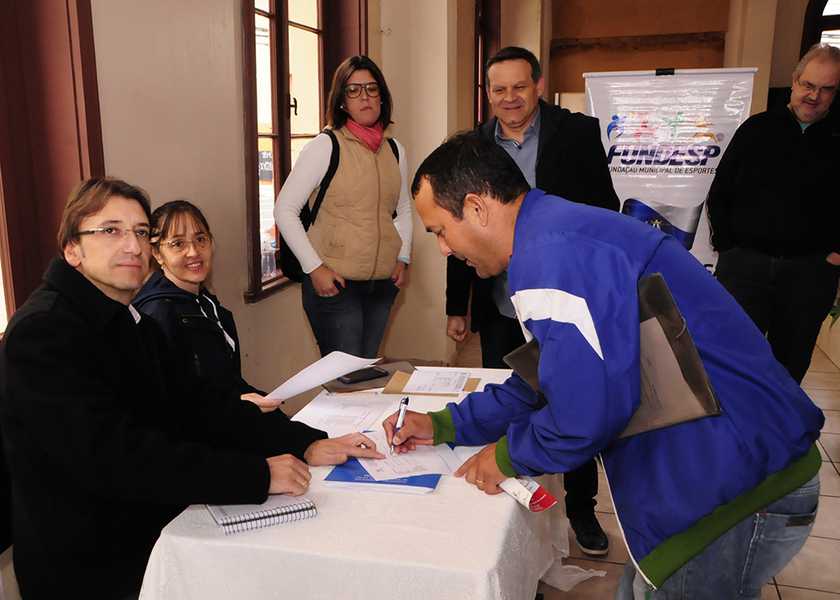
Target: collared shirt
{"x": 525, "y": 156}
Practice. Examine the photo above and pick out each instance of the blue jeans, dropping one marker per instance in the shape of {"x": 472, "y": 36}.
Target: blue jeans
{"x": 353, "y": 321}
{"x": 738, "y": 563}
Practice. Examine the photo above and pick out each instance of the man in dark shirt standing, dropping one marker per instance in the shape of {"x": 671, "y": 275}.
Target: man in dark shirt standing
{"x": 772, "y": 208}
{"x": 560, "y": 152}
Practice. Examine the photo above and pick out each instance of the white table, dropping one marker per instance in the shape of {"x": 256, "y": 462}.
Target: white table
{"x": 455, "y": 542}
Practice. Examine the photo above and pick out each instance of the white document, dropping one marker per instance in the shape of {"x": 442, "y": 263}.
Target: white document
{"x": 335, "y": 364}
{"x": 426, "y": 460}
{"x": 436, "y": 382}
{"x": 339, "y": 414}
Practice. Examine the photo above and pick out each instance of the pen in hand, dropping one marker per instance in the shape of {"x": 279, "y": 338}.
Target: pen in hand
{"x": 400, "y": 420}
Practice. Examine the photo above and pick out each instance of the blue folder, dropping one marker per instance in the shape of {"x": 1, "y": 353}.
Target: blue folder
{"x": 352, "y": 473}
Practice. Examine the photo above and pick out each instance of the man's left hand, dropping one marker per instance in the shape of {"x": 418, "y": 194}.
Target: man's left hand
{"x": 833, "y": 258}
{"x": 482, "y": 471}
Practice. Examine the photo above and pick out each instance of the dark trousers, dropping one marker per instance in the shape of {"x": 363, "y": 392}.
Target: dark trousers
{"x": 500, "y": 335}
{"x": 788, "y": 298}
{"x": 353, "y": 321}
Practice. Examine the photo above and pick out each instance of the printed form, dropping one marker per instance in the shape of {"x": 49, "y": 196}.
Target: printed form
{"x": 425, "y": 460}
{"x": 436, "y": 382}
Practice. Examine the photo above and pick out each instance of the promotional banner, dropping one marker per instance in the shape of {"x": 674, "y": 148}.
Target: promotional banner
{"x": 664, "y": 134}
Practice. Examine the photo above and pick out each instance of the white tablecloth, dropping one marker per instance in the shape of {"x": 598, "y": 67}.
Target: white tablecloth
{"x": 454, "y": 543}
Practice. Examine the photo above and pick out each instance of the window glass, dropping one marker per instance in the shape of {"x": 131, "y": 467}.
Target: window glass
{"x": 832, "y": 7}
{"x": 268, "y": 235}
{"x": 263, "y": 58}
{"x": 303, "y": 81}
{"x": 831, "y": 37}
{"x": 304, "y": 12}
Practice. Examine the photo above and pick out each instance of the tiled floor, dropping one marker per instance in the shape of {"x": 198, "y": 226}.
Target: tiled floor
{"x": 814, "y": 574}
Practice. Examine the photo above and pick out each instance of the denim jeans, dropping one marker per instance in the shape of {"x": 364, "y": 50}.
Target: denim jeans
{"x": 353, "y": 321}
{"x": 737, "y": 564}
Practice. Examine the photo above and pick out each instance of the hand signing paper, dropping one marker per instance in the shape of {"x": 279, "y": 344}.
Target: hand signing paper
{"x": 416, "y": 430}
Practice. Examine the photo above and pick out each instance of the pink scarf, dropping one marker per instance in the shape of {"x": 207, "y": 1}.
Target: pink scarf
{"x": 369, "y": 136}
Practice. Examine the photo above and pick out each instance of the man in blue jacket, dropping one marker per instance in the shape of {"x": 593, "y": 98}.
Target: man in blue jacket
{"x": 711, "y": 508}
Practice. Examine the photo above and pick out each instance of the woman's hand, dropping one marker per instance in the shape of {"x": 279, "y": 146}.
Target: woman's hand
{"x": 264, "y": 403}
{"x": 400, "y": 274}
{"x": 336, "y": 451}
{"x": 324, "y": 281}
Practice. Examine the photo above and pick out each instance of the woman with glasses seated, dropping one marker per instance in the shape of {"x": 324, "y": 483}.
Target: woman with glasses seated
{"x": 356, "y": 253}
{"x": 201, "y": 331}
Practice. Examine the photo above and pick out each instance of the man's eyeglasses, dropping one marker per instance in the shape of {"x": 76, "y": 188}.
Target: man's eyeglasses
{"x": 180, "y": 245}
{"x": 354, "y": 90}
{"x": 814, "y": 89}
{"x": 115, "y": 234}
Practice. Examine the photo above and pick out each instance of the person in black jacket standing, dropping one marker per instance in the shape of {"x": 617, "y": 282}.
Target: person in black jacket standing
{"x": 103, "y": 444}
{"x": 560, "y": 152}
{"x": 772, "y": 212}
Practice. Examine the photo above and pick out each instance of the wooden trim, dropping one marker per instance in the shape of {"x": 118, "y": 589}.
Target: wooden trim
{"x": 83, "y": 64}
{"x": 363, "y": 27}
{"x": 638, "y": 41}
{"x": 249, "y": 114}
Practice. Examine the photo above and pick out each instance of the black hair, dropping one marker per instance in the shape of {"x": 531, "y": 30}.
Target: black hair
{"x": 468, "y": 163}
{"x": 336, "y": 115}
{"x": 516, "y": 53}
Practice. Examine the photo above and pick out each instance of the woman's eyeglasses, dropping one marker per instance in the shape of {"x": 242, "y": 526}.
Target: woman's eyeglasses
{"x": 354, "y": 90}
{"x": 180, "y": 245}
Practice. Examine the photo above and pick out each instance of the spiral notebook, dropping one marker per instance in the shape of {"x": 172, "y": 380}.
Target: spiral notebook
{"x": 274, "y": 511}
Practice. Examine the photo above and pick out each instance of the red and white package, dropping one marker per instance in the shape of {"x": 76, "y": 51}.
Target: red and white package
{"x": 528, "y": 493}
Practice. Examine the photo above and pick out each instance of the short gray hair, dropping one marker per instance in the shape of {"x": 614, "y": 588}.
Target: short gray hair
{"x": 820, "y": 52}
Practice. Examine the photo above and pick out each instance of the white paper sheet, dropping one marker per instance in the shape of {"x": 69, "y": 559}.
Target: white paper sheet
{"x": 436, "y": 382}
{"x": 426, "y": 460}
{"x": 346, "y": 413}
{"x": 335, "y": 364}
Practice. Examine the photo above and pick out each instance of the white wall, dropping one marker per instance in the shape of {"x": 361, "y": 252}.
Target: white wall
{"x": 170, "y": 91}
{"x": 749, "y": 43}
{"x": 418, "y": 42}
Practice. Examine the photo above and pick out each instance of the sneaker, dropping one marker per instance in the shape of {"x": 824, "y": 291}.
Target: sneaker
{"x": 589, "y": 536}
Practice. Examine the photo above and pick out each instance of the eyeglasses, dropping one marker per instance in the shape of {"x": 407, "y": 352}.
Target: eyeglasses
{"x": 180, "y": 245}
{"x": 354, "y": 90}
{"x": 812, "y": 88}
{"x": 115, "y": 234}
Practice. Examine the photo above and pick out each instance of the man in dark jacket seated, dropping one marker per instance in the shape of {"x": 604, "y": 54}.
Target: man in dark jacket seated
{"x": 103, "y": 444}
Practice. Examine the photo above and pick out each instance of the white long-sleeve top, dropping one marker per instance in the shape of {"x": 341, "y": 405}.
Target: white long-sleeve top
{"x": 309, "y": 170}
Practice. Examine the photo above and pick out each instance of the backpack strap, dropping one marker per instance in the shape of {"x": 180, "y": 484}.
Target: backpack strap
{"x": 328, "y": 176}
{"x": 394, "y": 149}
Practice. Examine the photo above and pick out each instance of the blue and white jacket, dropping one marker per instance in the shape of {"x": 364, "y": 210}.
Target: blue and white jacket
{"x": 573, "y": 278}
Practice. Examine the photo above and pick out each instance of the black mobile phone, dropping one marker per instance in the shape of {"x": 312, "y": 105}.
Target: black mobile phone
{"x": 363, "y": 375}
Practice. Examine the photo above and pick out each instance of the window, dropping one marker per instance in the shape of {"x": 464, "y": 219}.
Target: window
{"x": 282, "y": 54}
{"x": 830, "y": 24}
{"x": 822, "y": 24}
{"x": 487, "y": 32}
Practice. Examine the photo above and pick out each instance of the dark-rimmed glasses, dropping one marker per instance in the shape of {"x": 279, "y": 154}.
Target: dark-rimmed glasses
{"x": 354, "y": 90}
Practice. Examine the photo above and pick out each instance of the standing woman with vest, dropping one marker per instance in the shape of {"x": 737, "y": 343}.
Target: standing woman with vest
{"x": 355, "y": 255}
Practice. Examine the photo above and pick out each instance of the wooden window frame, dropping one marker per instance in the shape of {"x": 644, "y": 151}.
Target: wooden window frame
{"x": 278, "y": 16}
